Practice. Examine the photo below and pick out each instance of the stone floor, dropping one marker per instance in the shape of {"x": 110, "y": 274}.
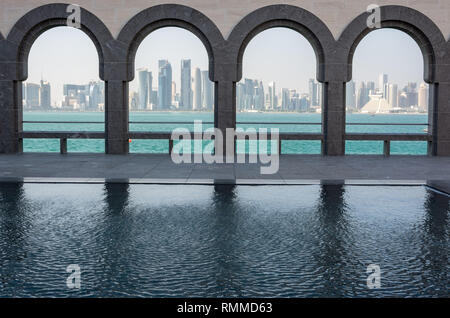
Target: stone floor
{"x": 293, "y": 169}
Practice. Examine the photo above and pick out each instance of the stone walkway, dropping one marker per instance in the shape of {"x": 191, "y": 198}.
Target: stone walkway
{"x": 293, "y": 169}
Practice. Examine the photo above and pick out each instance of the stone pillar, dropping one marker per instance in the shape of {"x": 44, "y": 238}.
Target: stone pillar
{"x": 116, "y": 117}
{"x": 225, "y": 106}
{"x": 333, "y": 118}
{"x": 11, "y": 116}
{"x": 439, "y": 118}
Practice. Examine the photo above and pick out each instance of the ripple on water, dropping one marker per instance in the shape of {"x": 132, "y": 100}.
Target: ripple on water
{"x": 205, "y": 241}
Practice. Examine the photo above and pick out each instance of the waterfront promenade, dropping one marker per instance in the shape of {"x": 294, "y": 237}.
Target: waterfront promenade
{"x": 159, "y": 169}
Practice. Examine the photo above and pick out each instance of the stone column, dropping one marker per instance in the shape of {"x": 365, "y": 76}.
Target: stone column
{"x": 439, "y": 118}
{"x": 333, "y": 118}
{"x": 225, "y": 107}
{"x": 11, "y": 116}
{"x": 116, "y": 117}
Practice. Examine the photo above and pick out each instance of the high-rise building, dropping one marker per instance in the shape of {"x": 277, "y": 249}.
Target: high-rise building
{"x": 150, "y": 104}
{"x": 197, "y": 88}
{"x": 423, "y": 97}
{"x": 382, "y": 81}
{"x": 240, "y": 96}
{"x": 259, "y": 95}
{"x": 164, "y": 85}
{"x": 174, "y": 92}
{"x": 392, "y": 95}
{"x": 272, "y": 96}
{"x": 45, "y": 95}
{"x": 96, "y": 96}
{"x": 31, "y": 96}
{"x": 411, "y": 94}
{"x": 285, "y": 99}
{"x": 186, "y": 89}
{"x": 350, "y": 97}
{"x": 362, "y": 97}
{"x": 75, "y": 97}
{"x": 207, "y": 91}
{"x": 313, "y": 92}
{"x": 133, "y": 101}
{"x": 143, "y": 88}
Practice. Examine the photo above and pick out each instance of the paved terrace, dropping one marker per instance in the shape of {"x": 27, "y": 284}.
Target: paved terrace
{"x": 294, "y": 169}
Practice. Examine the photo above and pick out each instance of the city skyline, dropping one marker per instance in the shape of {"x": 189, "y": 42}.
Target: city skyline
{"x": 388, "y": 51}
{"x": 376, "y": 96}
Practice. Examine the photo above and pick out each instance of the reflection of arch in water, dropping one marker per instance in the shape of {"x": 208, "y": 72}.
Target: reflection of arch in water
{"x": 333, "y": 255}
{"x": 435, "y": 249}
{"x": 225, "y": 226}
{"x": 15, "y": 223}
{"x": 115, "y": 259}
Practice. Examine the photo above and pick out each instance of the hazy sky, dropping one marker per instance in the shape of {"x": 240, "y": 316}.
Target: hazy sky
{"x": 66, "y": 55}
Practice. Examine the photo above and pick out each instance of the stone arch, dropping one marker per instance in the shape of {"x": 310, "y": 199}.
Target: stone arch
{"x": 37, "y": 21}
{"x": 292, "y": 17}
{"x": 414, "y": 23}
{"x": 169, "y": 15}
{"x": 430, "y": 41}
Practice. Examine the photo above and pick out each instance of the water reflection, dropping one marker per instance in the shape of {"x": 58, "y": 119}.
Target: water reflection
{"x": 15, "y": 224}
{"x": 435, "y": 247}
{"x": 226, "y": 223}
{"x": 222, "y": 240}
{"x": 115, "y": 242}
{"x": 333, "y": 253}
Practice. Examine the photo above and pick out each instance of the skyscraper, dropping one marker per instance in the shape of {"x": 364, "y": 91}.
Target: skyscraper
{"x": 197, "y": 89}
{"x": 350, "y": 97}
{"x": 393, "y": 95}
{"x": 186, "y": 90}
{"x": 313, "y": 92}
{"x": 272, "y": 96}
{"x": 207, "y": 91}
{"x": 285, "y": 100}
{"x": 143, "y": 88}
{"x": 362, "y": 96}
{"x": 174, "y": 92}
{"x": 382, "y": 81}
{"x": 96, "y": 95}
{"x": 259, "y": 95}
{"x": 164, "y": 85}
{"x": 240, "y": 96}
{"x": 45, "y": 95}
{"x": 32, "y": 95}
{"x": 150, "y": 83}
{"x": 423, "y": 97}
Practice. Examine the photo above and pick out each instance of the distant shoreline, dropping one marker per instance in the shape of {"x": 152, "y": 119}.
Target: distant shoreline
{"x": 208, "y": 112}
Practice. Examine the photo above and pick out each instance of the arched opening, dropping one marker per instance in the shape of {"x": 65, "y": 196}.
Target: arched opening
{"x": 387, "y": 93}
{"x": 63, "y": 92}
{"x": 279, "y": 89}
{"x": 171, "y": 87}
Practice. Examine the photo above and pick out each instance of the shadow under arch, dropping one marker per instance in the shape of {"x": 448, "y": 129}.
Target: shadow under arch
{"x": 288, "y": 16}
{"x": 169, "y": 15}
{"x": 414, "y": 23}
{"x": 37, "y": 21}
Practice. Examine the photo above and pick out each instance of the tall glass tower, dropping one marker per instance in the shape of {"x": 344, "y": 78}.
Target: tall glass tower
{"x": 143, "y": 88}
{"x": 164, "y": 85}
{"x": 186, "y": 90}
{"x": 207, "y": 91}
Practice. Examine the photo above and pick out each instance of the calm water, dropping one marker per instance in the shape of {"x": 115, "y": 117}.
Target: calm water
{"x": 155, "y": 146}
{"x": 223, "y": 241}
